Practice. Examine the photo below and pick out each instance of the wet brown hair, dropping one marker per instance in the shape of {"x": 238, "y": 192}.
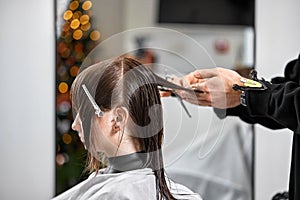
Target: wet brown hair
{"x": 126, "y": 82}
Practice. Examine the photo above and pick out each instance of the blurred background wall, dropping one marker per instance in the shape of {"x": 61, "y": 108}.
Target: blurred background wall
{"x": 27, "y": 104}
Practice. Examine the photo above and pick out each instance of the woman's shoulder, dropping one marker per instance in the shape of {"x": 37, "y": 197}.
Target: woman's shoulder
{"x": 134, "y": 184}
{"x": 125, "y": 185}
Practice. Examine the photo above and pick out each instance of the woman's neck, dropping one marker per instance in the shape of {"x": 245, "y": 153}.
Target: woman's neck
{"x": 127, "y": 146}
{"x": 133, "y": 161}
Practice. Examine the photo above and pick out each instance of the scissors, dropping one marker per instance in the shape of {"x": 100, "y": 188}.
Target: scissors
{"x": 166, "y": 86}
{"x": 175, "y": 94}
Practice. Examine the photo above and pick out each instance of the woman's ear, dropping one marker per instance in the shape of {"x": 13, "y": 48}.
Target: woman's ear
{"x": 121, "y": 116}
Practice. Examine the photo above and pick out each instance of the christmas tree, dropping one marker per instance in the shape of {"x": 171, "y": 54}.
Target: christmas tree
{"x": 76, "y": 38}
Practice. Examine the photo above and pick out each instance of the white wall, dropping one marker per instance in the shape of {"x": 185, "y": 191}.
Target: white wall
{"x": 109, "y": 16}
{"x": 278, "y": 41}
{"x": 27, "y": 99}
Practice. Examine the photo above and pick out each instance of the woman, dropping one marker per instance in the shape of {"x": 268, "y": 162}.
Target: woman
{"x": 119, "y": 117}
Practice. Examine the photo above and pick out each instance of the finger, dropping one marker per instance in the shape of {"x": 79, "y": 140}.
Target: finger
{"x": 192, "y": 100}
{"x": 164, "y": 94}
{"x": 195, "y": 99}
{"x": 196, "y": 96}
{"x": 205, "y": 73}
{"x": 187, "y": 94}
{"x": 198, "y": 102}
{"x": 188, "y": 80}
{"x": 202, "y": 86}
{"x": 204, "y": 103}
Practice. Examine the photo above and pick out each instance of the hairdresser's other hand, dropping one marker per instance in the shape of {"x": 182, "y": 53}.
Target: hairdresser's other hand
{"x": 216, "y": 85}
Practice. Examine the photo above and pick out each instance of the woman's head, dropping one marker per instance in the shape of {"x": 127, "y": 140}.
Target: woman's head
{"x": 126, "y": 93}
{"x": 125, "y": 96}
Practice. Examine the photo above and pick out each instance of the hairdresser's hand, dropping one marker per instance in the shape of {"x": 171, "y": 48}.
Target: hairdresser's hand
{"x": 216, "y": 85}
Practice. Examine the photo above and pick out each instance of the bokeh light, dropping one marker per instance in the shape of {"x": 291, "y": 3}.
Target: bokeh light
{"x": 68, "y": 15}
{"x": 67, "y": 139}
{"x": 77, "y": 15}
{"x": 74, "y": 5}
{"x": 87, "y": 5}
{"x": 63, "y": 109}
{"x": 63, "y": 125}
{"x": 62, "y": 158}
{"x": 66, "y": 27}
{"x": 84, "y": 19}
{"x": 78, "y": 47}
{"x": 63, "y": 87}
{"x": 86, "y": 26}
{"x": 74, "y": 70}
{"x": 77, "y": 35}
{"x": 95, "y": 35}
{"x": 80, "y": 56}
{"x": 75, "y": 24}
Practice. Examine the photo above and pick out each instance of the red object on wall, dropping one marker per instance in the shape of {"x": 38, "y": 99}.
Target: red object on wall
{"x": 222, "y": 46}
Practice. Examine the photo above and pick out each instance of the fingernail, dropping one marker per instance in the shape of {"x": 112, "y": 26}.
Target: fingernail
{"x": 196, "y": 73}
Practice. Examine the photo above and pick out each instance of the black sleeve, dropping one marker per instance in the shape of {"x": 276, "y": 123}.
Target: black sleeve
{"x": 279, "y": 103}
{"x": 242, "y": 113}
{"x": 278, "y": 106}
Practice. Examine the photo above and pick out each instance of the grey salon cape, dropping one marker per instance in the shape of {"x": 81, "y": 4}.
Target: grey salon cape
{"x": 133, "y": 185}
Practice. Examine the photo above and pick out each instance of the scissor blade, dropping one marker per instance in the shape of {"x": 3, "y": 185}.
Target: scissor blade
{"x": 182, "y": 104}
{"x": 167, "y": 84}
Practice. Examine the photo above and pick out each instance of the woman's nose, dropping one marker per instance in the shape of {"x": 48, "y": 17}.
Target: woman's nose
{"x": 75, "y": 124}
